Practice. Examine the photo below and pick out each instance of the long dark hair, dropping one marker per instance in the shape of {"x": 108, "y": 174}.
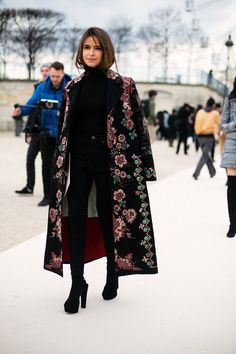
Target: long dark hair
{"x": 233, "y": 92}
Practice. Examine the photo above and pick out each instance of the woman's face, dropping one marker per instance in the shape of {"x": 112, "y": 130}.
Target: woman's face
{"x": 92, "y": 52}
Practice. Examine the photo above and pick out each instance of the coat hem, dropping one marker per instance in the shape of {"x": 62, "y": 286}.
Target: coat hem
{"x": 135, "y": 272}
{"x": 119, "y": 273}
{"x": 55, "y": 271}
{"x": 227, "y": 166}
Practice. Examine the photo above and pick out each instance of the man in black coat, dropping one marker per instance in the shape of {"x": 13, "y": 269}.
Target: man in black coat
{"x": 183, "y": 127}
{"x": 32, "y": 138}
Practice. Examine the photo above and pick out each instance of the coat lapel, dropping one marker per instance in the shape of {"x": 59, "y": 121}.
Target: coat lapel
{"x": 73, "y": 94}
{"x": 114, "y": 91}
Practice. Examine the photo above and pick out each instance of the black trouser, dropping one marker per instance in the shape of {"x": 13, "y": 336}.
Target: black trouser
{"x": 33, "y": 149}
{"x": 213, "y": 150}
{"x": 47, "y": 148}
{"x": 205, "y": 143}
{"x": 87, "y": 166}
{"x": 18, "y": 125}
{"x": 182, "y": 139}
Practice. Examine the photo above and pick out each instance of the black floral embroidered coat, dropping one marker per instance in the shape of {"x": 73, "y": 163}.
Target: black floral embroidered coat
{"x": 131, "y": 166}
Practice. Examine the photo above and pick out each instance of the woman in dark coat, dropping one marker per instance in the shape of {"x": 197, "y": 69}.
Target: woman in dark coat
{"x": 104, "y": 154}
{"x": 228, "y": 125}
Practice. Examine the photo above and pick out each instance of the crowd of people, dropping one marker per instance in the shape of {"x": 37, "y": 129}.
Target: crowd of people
{"x": 204, "y": 126}
{"x": 178, "y": 126}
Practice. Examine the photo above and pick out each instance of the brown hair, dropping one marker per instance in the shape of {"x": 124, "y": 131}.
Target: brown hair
{"x": 57, "y": 66}
{"x": 106, "y": 44}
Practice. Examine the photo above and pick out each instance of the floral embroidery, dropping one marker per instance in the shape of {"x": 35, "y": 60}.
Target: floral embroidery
{"x": 62, "y": 146}
{"x": 53, "y": 214}
{"x": 57, "y": 229}
{"x": 59, "y": 161}
{"x": 117, "y": 172}
{"x": 120, "y": 160}
{"x": 121, "y": 138}
{"x": 116, "y": 208}
{"x": 129, "y": 124}
{"x": 119, "y": 195}
{"x": 112, "y": 74}
{"x": 111, "y": 132}
{"x": 55, "y": 262}
{"x": 126, "y": 263}
{"x": 119, "y": 228}
{"x": 133, "y": 134}
{"x": 59, "y": 195}
{"x": 130, "y": 215}
{"x": 118, "y": 146}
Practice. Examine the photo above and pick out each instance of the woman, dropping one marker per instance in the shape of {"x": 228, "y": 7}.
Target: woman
{"x": 228, "y": 124}
{"x": 104, "y": 142}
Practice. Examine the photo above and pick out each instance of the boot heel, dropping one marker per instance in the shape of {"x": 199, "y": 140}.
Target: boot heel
{"x": 79, "y": 290}
{"x": 84, "y": 296}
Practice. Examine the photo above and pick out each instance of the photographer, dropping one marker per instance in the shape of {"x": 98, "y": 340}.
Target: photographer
{"x": 32, "y": 138}
{"x": 51, "y": 89}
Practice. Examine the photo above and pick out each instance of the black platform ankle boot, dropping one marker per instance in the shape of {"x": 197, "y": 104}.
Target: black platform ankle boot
{"x": 79, "y": 288}
{"x": 110, "y": 289}
{"x": 232, "y": 231}
{"x": 231, "y": 197}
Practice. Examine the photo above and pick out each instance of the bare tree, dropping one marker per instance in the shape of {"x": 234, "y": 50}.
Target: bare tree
{"x": 122, "y": 35}
{"x": 145, "y": 34}
{"x": 33, "y": 31}
{"x": 167, "y": 29}
{"x": 70, "y": 41}
{"x": 5, "y": 19}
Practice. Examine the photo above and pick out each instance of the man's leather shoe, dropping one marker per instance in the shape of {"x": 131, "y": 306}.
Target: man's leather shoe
{"x": 44, "y": 201}
{"x": 24, "y": 190}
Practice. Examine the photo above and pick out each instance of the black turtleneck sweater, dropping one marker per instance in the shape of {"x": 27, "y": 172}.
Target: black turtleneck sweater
{"x": 89, "y": 117}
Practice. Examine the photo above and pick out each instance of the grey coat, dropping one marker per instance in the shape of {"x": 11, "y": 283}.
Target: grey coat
{"x": 228, "y": 124}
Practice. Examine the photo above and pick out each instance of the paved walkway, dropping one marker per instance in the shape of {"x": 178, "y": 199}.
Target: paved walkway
{"x": 188, "y": 308}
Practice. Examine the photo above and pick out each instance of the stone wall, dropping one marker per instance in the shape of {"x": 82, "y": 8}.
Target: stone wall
{"x": 173, "y": 95}
{"x": 169, "y": 96}
{"x": 12, "y": 92}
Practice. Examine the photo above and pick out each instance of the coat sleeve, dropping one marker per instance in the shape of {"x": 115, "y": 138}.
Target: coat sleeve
{"x": 32, "y": 101}
{"x": 226, "y": 124}
{"x": 143, "y": 135}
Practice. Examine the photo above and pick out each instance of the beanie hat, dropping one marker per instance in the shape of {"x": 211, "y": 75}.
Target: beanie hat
{"x": 45, "y": 65}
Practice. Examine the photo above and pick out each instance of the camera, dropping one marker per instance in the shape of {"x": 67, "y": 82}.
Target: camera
{"x": 48, "y": 104}
{"x": 34, "y": 128}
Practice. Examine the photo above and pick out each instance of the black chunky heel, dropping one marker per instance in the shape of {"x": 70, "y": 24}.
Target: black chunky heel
{"x": 84, "y": 297}
{"x": 110, "y": 289}
{"x": 79, "y": 289}
{"x": 232, "y": 231}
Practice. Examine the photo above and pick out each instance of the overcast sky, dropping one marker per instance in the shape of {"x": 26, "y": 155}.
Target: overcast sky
{"x": 217, "y": 17}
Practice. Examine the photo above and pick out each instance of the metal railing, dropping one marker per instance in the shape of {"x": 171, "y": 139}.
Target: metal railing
{"x": 201, "y": 78}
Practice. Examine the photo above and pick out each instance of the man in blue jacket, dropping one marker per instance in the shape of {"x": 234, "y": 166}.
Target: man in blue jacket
{"x": 51, "y": 89}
